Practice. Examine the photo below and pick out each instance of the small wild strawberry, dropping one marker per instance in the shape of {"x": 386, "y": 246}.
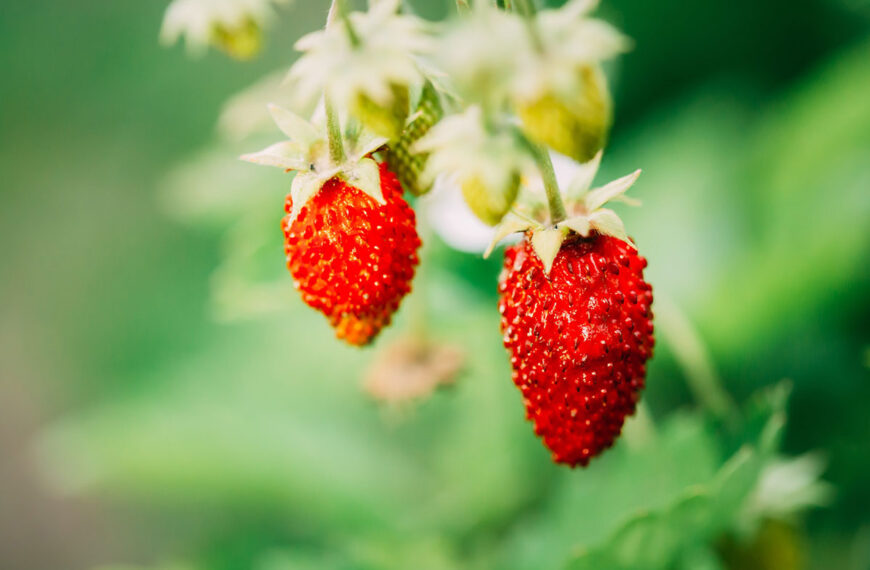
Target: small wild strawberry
{"x": 579, "y": 338}
{"x": 351, "y": 258}
{"x": 350, "y": 237}
{"x": 577, "y": 321}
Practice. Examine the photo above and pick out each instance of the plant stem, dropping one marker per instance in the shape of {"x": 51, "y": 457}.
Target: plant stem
{"x": 462, "y": 6}
{"x": 551, "y": 185}
{"x": 338, "y": 9}
{"x": 692, "y": 356}
{"x": 333, "y": 131}
{"x": 527, "y": 8}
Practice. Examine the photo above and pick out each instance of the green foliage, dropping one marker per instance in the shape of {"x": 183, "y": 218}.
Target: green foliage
{"x": 249, "y": 444}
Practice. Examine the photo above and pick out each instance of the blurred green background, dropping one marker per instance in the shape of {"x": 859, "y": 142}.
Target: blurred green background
{"x": 167, "y": 402}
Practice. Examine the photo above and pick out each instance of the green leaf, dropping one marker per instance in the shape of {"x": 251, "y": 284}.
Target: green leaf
{"x": 660, "y": 537}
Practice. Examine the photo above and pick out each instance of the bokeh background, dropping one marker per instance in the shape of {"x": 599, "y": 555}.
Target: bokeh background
{"x": 167, "y": 402}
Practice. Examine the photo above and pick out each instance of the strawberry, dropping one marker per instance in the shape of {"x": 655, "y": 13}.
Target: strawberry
{"x": 578, "y": 338}
{"x": 576, "y": 318}
{"x": 350, "y": 237}
{"x": 352, "y": 258}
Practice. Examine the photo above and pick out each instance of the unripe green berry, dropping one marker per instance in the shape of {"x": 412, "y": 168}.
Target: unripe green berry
{"x": 490, "y": 203}
{"x": 385, "y": 120}
{"x": 577, "y": 127}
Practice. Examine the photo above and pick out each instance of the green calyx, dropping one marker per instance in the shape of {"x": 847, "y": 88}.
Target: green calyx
{"x": 319, "y": 151}
{"x": 585, "y": 214}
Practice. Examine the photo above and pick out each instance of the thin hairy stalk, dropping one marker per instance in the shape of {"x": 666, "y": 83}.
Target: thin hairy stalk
{"x": 528, "y": 10}
{"x": 551, "y": 186}
{"x": 333, "y": 131}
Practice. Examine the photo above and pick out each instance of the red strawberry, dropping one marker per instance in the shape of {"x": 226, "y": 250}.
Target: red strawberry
{"x": 352, "y": 258}
{"x": 579, "y": 339}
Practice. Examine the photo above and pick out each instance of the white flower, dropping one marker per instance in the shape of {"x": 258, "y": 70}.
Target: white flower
{"x": 466, "y": 147}
{"x": 458, "y": 227}
{"x": 222, "y": 23}
{"x": 480, "y": 53}
{"x": 452, "y": 219}
{"x": 492, "y": 55}
{"x": 384, "y": 57}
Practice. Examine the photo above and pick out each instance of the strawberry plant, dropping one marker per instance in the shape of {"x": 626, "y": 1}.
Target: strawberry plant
{"x": 505, "y": 107}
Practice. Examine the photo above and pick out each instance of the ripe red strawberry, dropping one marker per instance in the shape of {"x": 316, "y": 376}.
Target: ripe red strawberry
{"x": 579, "y": 339}
{"x": 352, "y": 258}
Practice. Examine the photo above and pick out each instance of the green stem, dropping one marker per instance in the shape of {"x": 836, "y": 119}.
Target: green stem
{"x": 338, "y": 9}
{"x": 692, "y": 356}
{"x": 551, "y": 185}
{"x": 333, "y": 131}
{"x": 527, "y": 8}
{"x": 462, "y": 6}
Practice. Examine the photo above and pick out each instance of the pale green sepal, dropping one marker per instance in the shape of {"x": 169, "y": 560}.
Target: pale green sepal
{"x": 547, "y": 243}
{"x": 579, "y": 224}
{"x": 295, "y": 127}
{"x": 510, "y": 224}
{"x": 289, "y": 155}
{"x": 582, "y": 180}
{"x": 305, "y": 185}
{"x": 365, "y": 144}
{"x": 366, "y": 176}
{"x": 606, "y": 222}
{"x": 611, "y": 191}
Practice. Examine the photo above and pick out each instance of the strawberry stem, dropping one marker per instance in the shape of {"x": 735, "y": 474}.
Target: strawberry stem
{"x": 551, "y": 185}
{"x": 338, "y": 9}
{"x": 528, "y": 10}
{"x": 333, "y": 132}
{"x": 462, "y": 6}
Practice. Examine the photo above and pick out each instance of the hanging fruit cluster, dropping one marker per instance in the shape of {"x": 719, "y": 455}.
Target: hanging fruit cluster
{"x": 484, "y": 100}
